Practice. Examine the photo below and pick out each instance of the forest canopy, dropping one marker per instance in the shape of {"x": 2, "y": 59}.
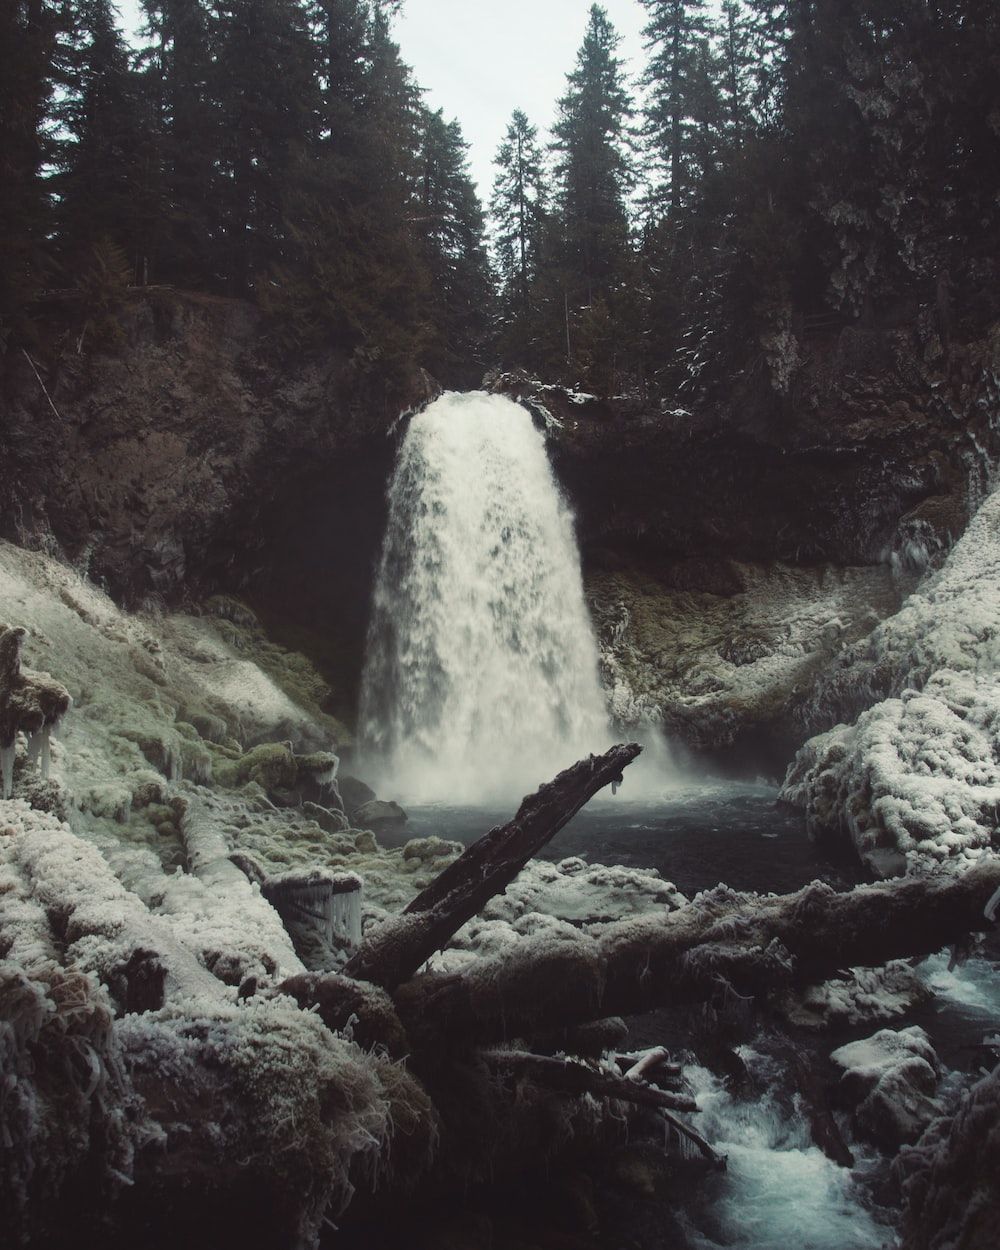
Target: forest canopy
{"x": 777, "y": 170}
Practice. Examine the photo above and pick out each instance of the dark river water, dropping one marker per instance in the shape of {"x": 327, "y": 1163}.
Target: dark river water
{"x": 695, "y": 835}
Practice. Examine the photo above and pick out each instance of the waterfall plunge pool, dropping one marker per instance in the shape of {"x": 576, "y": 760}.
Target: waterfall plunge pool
{"x": 696, "y": 835}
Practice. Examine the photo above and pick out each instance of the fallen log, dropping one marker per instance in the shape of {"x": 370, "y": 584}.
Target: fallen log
{"x": 398, "y": 948}
{"x": 656, "y": 1059}
{"x": 573, "y": 1077}
{"x": 722, "y": 941}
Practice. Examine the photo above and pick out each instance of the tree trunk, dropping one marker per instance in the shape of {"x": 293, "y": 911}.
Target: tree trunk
{"x": 751, "y": 943}
{"x": 397, "y": 948}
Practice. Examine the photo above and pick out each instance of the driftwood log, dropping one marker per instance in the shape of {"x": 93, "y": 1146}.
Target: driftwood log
{"x": 397, "y": 948}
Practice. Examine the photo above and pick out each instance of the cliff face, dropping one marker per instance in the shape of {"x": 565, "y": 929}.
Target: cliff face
{"x": 880, "y": 446}
{"x": 175, "y": 439}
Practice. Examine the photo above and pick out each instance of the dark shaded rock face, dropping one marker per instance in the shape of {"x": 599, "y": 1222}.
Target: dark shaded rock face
{"x": 177, "y": 444}
{"x": 870, "y": 456}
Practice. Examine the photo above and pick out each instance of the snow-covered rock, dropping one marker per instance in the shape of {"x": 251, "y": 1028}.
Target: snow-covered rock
{"x": 918, "y": 773}
{"x": 889, "y": 1080}
{"x": 866, "y": 996}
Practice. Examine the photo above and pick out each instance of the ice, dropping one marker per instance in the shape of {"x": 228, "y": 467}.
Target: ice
{"x": 918, "y": 773}
{"x": 321, "y": 911}
{"x": 7, "y": 768}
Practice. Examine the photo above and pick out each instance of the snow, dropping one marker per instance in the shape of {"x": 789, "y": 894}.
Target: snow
{"x": 918, "y": 773}
{"x": 890, "y": 1080}
{"x": 863, "y": 996}
{"x": 283, "y": 1095}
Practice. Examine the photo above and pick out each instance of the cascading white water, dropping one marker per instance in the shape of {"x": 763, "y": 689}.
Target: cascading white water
{"x": 481, "y": 674}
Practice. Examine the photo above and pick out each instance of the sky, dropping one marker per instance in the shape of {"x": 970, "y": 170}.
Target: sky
{"x": 478, "y": 60}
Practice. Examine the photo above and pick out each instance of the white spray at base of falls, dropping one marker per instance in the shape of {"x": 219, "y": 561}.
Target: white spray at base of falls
{"x": 481, "y": 677}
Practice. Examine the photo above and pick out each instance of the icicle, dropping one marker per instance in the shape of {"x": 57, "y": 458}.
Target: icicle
{"x": 990, "y": 910}
{"x": 46, "y": 759}
{"x": 7, "y": 769}
{"x": 321, "y": 911}
{"x": 346, "y": 915}
{"x": 34, "y": 746}
{"x": 617, "y": 783}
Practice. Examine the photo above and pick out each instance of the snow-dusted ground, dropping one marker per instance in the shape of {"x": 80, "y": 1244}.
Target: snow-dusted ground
{"x": 918, "y": 773}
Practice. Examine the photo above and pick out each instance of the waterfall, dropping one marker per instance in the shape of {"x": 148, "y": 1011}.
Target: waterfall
{"x": 481, "y": 673}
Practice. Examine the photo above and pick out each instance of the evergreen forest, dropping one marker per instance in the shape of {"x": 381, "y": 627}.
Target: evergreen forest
{"x": 774, "y": 170}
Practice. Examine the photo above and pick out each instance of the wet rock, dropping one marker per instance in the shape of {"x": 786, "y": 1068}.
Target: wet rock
{"x": 316, "y": 778}
{"x": 331, "y": 821}
{"x": 379, "y": 814}
{"x": 354, "y": 793}
{"x": 889, "y": 1081}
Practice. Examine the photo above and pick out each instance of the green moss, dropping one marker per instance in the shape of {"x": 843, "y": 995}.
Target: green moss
{"x": 292, "y": 671}
{"x": 271, "y": 766}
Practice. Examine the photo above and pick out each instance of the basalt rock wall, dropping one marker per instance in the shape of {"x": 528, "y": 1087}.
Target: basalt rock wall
{"x": 882, "y": 445}
{"x": 153, "y": 458}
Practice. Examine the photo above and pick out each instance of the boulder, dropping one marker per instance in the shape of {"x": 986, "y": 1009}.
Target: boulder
{"x": 330, "y": 821}
{"x": 355, "y": 794}
{"x": 379, "y": 814}
{"x": 889, "y": 1081}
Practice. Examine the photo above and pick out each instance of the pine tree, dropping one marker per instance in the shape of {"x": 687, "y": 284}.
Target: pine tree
{"x": 340, "y": 28}
{"x": 592, "y": 166}
{"x": 183, "y": 138}
{"x": 351, "y": 273}
{"x": 29, "y": 31}
{"x": 676, "y": 77}
{"x": 98, "y": 173}
{"x": 266, "y": 93}
{"x": 736, "y": 79}
{"x": 517, "y": 212}
{"x": 450, "y": 225}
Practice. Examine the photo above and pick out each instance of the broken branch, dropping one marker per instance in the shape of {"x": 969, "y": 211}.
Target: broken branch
{"x": 573, "y": 1077}
{"x": 396, "y": 949}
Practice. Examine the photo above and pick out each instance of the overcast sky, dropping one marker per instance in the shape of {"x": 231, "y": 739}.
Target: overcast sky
{"x": 480, "y": 59}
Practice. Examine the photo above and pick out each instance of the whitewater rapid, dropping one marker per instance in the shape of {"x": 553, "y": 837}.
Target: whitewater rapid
{"x": 481, "y": 674}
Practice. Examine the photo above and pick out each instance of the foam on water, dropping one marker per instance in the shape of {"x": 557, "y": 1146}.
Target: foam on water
{"x": 779, "y": 1190}
{"x": 974, "y": 985}
{"x": 481, "y": 677}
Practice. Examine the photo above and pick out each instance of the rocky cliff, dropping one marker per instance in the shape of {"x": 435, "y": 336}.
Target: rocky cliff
{"x": 150, "y": 459}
